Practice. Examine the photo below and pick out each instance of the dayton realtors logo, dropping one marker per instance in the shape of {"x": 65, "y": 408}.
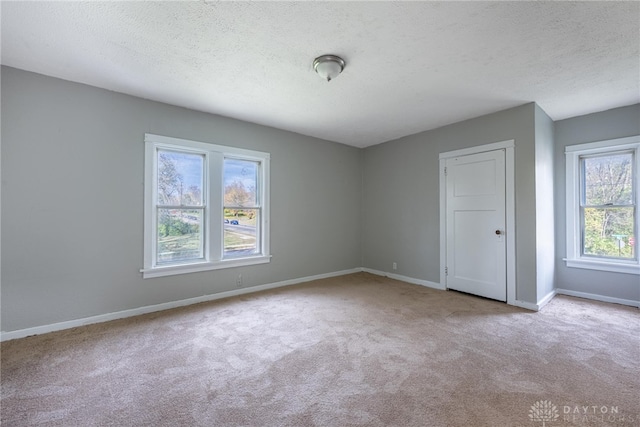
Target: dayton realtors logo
{"x": 543, "y": 411}
{"x": 597, "y": 415}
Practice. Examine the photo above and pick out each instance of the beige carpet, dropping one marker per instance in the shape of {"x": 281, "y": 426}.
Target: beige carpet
{"x": 357, "y": 350}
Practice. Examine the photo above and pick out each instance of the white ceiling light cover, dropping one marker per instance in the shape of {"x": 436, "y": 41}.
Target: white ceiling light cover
{"x": 328, "y": 66}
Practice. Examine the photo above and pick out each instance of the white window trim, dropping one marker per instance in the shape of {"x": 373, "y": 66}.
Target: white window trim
{"x": 574, "y": 257}
{"x": 213, "y": 223}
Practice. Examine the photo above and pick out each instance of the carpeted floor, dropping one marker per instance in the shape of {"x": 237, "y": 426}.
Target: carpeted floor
{"x": 356, "y": 350}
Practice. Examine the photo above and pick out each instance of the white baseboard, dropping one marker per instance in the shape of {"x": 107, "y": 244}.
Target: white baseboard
{"x": 535, "y": 307}
{"x": 544, "y": 301}
{"x": 597, "y": 297}
{"x": 524, "y": 304}
{"x": 21, "y": 333}
{"x": 434, "y": 285}
{"x": 407, "y": 279}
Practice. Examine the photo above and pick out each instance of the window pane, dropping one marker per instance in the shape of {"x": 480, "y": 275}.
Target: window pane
{"x": 180, "y": 177}
{"x": 179, "y": 235}
{"x": 240, "y": 183}
{"x": 608, "y": 180}
{"x": 608, "y": 232}
{"x": 240, "y": 232}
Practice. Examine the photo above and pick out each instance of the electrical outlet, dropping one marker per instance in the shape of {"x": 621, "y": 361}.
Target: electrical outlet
{"x": 239, "y": 281}
{"x": 395, "y": 265}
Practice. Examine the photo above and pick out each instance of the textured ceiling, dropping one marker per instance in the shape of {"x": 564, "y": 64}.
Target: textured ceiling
{"x": 411, "y": 66}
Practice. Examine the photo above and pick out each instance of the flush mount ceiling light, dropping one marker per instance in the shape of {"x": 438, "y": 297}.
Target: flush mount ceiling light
{"x": 328, "y": 66}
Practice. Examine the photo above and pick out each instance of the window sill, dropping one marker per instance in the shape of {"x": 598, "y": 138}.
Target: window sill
{"x": 616, "y": 267}
{"x": 170, "y": 270}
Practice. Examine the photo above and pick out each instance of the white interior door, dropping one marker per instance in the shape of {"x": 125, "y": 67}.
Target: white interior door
{"x": 475, "y": 235}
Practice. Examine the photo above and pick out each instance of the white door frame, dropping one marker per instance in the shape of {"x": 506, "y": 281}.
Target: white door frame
{"x": 509, "y": 147}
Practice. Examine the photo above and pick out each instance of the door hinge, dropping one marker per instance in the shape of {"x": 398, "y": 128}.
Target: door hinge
{"x": 446, "y": 271}
{"x": 445, "y": 171}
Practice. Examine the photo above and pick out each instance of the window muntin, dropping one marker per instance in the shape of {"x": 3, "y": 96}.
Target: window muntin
{"x": 602, "y": 215}
{"x": 184, "y": 219}
{"x": 607, "y": 208}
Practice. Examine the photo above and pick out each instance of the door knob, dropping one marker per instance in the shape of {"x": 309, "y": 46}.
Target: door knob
{"x": 498, "y": 232}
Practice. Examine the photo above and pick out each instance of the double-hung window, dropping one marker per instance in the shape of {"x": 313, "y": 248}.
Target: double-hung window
{"x": 602, "y": 205}
{"x": 206, "y": 206}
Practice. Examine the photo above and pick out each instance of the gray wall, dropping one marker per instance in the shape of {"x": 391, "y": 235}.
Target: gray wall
{"x": 72, "y": 186}
{"x": 611, "y": 124}
{"x": 401, "y": 196}
{"x": 72, "y": 192}
{"x": 545, "y": 227}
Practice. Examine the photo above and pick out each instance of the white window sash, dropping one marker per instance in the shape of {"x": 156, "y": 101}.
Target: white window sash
{"x": 574, "y": 257}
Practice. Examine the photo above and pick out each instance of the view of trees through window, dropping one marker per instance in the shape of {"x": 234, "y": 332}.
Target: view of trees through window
{"x": 181, "y": 213}
{"x": 608, "y": 205}
{"x": 241, "y": 207}
{"x": 180, "y": 206}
